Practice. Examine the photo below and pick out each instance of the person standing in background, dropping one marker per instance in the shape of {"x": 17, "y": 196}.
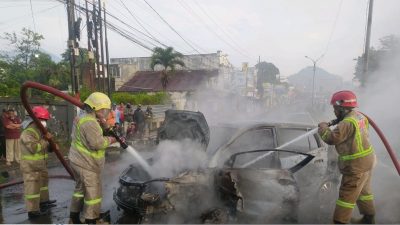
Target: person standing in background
{"x": 121, "y": 110}
{"x": 128, "y": 116}
{"x": 12, "y": 124}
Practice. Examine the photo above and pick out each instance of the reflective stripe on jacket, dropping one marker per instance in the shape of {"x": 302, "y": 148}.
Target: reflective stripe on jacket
{"x": 88, "y": 143}
{"x": 351, "y": 139}
{"x": 33, "y": 149}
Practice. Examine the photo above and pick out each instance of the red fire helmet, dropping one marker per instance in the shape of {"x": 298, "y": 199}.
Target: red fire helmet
{"x": 344, "y": 99}
{"x": 41, "y": 112}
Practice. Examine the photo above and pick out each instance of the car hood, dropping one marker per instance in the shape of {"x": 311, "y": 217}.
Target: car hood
{"x": 182, "y": 124}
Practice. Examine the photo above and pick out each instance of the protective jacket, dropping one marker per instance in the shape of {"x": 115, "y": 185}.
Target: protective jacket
{"x": 356, "y": 160}
{"x": 351, "y": 139}
{"x": 33, "y": 150}
{"x": 88, "y": 143}
{"x": 34, "y": 167}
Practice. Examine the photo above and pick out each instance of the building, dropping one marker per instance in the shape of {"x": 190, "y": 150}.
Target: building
{"x": 123, "y": 69}
{"x": 181, "y": 86}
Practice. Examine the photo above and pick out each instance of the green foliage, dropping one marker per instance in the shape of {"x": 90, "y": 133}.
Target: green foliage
{"x": 26, "y": 45}
{"x": 379, "y": 59}
{"x": 140, "y": 98}
{"x": 266, "y": 73}
{"x": 27, "y": 63}
{"x": 168, "y": 58}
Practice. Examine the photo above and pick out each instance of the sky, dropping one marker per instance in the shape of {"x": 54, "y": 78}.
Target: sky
{"x": 279, "y": 31}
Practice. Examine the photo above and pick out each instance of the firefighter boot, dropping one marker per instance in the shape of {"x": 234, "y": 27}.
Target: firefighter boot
{"x": 47, "y": 205}
{"x": 366, "y": 219}
{"x": 36, "y": 214}
{"x": 90, "y": 221}
{"x": 74, "y": 218}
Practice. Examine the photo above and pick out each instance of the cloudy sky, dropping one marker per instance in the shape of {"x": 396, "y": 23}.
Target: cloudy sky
{"x": 279, "y": 31}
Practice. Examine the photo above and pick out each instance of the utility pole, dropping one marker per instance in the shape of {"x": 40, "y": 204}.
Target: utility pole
{"x": 103, "y": 81}
{"x": 313, "y": 80}
{"x": 107, "y": 56}
{"x": 89, "y": 26}
{"x": 72, "y": 43}
{"x": 367, "y": 43}
{"x": 96, "y": 40}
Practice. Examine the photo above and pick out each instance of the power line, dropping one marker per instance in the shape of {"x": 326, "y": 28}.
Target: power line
{"x": 121, "y": 21}
{"x": 220, "y": 27}
{"x": 192, "y": 12}
{"x": 334, "y": 27}
{"x": 134, "y": 17}
{"x": 24, "y": 16}
{"x": 172, "y": 28}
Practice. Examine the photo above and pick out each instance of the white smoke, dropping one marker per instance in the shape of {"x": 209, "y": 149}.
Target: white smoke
{"x": 173, "y": 157}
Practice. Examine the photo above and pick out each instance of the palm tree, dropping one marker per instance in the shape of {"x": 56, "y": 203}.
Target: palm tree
{"x": 168, "y": 58}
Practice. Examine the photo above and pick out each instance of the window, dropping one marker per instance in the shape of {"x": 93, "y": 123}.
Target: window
{"x": 258, "y": 139}
{"x": 304, "y": 145}
{"x": 114, "y": 71}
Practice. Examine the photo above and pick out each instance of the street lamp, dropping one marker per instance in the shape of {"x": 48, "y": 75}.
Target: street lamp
{"x": 313, "y": 80}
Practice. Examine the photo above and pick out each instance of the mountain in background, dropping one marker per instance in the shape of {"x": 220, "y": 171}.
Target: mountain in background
{"x": 324, "y": 81}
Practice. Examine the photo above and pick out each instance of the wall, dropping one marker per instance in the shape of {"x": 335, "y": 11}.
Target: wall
{"x": 62, "y": 114}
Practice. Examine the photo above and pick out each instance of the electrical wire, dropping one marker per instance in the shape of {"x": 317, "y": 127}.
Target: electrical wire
{"x": 193, "y": 13}
{"x": 136, "y": 19}
{"x": 221, "y": 28}
{"x": 172, "y": 28}
{"x": 24, "y": 16}
{"x": 334, "y": 27}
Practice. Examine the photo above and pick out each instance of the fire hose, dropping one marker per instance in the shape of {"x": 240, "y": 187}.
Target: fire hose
{"x": 389, "y": 149}
{"x": 53, "y": 146}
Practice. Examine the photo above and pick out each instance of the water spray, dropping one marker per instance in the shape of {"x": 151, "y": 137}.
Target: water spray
{"x": 333, "y": 123}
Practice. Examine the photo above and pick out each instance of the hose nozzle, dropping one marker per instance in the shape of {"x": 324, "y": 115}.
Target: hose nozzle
{"x": 333, "y": 122}
{"x": 111, "y": 132}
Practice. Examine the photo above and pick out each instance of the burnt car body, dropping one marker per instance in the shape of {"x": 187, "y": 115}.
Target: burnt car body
{"x": 275, "y": 189}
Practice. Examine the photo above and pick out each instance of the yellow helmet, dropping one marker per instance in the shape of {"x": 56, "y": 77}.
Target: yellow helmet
{"x": 98, "y": 100}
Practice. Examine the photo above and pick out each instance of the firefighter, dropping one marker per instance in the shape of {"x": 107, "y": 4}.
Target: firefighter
{"x": 34, "y": 165}
{"x": 356, "y": 158}
{"x": 87, "y": 157}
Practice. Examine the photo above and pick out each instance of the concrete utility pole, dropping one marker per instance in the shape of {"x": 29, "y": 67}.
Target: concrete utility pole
{"x": 96, "y": 41}
{"x": 107, "y": 56}
{"x": 72, "y": 43}
{"x": 103, "y": 81}
{"x": 90, "y": 49}
{"x": 367, "y": 43}
{"x": 313, "y": 80}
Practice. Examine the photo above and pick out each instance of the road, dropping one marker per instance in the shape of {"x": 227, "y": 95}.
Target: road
{"x": 13, "y": 206}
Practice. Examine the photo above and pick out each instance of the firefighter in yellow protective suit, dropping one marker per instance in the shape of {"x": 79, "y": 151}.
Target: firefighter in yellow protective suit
{"x": 34, "y": 165}
{"x": 356, "y": 159}
{"x": 86, "y": 157}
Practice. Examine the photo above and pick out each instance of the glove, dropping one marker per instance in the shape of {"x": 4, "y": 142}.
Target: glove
{"x": 323, "y": 125}
{"x": 48, "y": 136}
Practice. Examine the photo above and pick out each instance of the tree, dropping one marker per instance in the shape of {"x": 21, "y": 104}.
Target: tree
{"x": 168, "y": 58}
{"x": 26, "y": 62}
{"x": 25, "y": 46}
{"x": 266, "y": 73}
{"x": 378, "y": 59}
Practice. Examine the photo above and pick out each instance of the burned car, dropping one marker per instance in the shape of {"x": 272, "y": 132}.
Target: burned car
{"x": 273, "y": 189}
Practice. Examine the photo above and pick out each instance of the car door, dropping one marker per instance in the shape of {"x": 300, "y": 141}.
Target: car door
{"x": 262, "y": 193}
{"x": 254, "y": 138}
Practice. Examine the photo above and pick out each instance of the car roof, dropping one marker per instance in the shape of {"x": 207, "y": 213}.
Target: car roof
{"x": 249, "y": 124}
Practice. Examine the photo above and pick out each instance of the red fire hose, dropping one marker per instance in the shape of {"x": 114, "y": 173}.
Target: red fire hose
{"x": 24, "y": 98}
{"x": 389, "y": 149}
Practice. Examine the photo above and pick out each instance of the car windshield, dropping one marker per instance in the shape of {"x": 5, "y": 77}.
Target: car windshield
{"x": 254, "y": 139}
{"x": 304, "y": 145}
{"x": 218, "y": 137}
